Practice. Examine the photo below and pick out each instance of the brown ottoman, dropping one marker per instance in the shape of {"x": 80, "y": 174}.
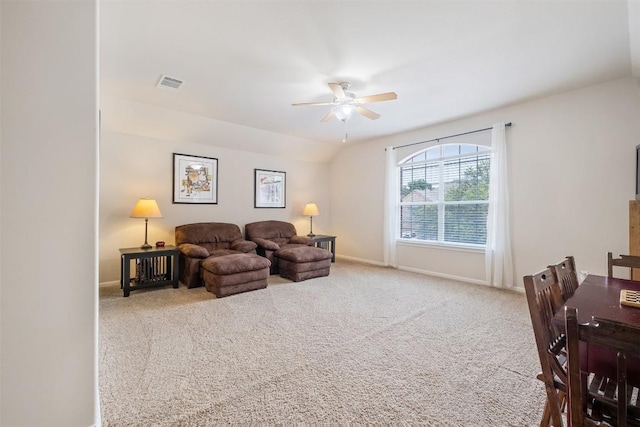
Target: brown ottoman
{"x": 303, "y": 262}
{"x": 232, "y": 274}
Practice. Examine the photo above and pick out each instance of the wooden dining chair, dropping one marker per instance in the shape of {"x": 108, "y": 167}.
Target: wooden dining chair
{"x": 567, "y": 276}
{"x": 618, "y": 400}
{"x": 545, "y": 299}
{"x": 629, "y": 261}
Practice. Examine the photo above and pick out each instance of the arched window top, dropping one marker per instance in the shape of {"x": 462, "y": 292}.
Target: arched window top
{"x": 444, "y": 151}
{"x": 444, "y": 194}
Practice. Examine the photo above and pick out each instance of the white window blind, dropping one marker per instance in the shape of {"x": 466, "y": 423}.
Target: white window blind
{"x": 444, "y": 193}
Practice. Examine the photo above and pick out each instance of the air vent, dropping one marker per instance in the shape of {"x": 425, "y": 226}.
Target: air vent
{"x": 169, "y": 82}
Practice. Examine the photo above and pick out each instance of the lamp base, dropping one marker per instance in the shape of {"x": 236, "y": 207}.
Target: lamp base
{"x": 146, "y": 244}
{"x": 311, "y": 229}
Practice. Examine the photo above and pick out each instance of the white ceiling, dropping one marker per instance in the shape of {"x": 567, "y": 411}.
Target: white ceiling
{"x": 246, "y": 62}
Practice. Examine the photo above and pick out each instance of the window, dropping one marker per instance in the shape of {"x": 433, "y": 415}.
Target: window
{"x": 444, "y": 194}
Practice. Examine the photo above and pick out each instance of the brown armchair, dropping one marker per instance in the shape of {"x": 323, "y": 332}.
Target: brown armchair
{"x": 203, "y": 240}
{"x": 294, "y": 257}
{"x": 271, "y": 236}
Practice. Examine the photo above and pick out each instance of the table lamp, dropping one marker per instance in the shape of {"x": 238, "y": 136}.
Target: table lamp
{"x": 146, "y": 208}
{"x": 311, "y": 210}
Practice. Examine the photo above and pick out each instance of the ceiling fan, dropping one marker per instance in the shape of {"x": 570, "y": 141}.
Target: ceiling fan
{"x": 345, "y": 103}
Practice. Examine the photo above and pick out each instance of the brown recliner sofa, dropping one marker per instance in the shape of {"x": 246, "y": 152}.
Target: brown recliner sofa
{"x": 294, "y": 257}
{"x": 200, "y": 241}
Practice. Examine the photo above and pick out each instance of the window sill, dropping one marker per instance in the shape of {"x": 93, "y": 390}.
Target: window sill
{"x": 459, "y": 247}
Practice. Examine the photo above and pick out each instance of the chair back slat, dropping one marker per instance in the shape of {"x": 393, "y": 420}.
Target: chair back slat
{"x": 628, "y": 261}
{"x": 567, "y": 276}
{"x": 544, "y": 298}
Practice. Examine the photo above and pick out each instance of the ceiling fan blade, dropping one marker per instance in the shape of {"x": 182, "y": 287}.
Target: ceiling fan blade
{"x": 327, "y": 117}
{"x": 377, "y": 98}
{"x": 311, "y": 103}
{"x": 337, "y": 90}
{"x": 367, "y": 113}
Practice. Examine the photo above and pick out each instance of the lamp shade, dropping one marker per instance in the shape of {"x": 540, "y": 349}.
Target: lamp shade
{"x": 146, "y": 208}
{"x": 311, "y": 209}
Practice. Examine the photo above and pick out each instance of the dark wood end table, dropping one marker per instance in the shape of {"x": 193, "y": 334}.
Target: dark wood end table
{"x": 154, "y": 267}
{"x": 326, "y": 242}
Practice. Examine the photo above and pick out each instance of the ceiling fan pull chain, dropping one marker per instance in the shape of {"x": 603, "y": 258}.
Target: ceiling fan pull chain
{"x": 346, "y": 133}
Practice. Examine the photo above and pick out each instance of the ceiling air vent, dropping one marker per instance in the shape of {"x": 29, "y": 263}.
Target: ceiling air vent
{"x": 169, "y": 82}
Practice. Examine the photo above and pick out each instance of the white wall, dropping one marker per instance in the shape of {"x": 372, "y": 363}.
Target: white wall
{"x": 572, "y": 174}
{"x": 48, "y": 190}
{"x": 135, "y": 166}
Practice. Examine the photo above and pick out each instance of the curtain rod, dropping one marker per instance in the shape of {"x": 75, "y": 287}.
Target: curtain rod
{"x": 445, "y": 137}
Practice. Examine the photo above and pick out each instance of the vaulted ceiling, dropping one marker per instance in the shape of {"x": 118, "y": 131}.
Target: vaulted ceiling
{"x": 246, "y": 62}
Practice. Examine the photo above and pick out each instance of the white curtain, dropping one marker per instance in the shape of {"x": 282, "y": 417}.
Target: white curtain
{"x": 390, "y": 232}
{"x": 498, "y": 260}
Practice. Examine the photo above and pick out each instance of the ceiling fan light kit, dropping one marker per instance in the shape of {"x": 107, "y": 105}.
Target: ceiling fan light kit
{"x": 343, "y": 112}
{"x": 345, "y": 104}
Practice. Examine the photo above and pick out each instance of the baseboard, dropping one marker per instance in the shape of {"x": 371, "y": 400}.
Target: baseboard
{"x": 111, "y": 283}
{"x": 444, "y": 276}
{"x": 416, "y": 270}
{"x": 428, "y": 273}
{"x": 457, "y": 278}
{"x": 360, "y": 260}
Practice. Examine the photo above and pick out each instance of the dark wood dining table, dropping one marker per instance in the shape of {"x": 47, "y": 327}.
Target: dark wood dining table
{"x": 599, "y": 296}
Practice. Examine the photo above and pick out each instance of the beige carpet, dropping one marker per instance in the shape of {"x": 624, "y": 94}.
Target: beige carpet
{"x": 366, "y": 345}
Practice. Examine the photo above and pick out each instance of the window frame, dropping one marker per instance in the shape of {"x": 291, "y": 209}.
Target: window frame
{"x": 441, "y": 203}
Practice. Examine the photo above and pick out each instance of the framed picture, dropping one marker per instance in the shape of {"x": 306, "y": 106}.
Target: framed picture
{"x": 195, "y": 179}
{"x": 270, "y": 189}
